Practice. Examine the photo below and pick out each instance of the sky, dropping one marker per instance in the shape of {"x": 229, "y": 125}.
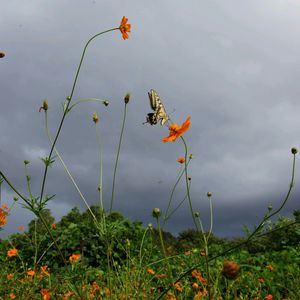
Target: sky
{"x": 233, "y": 66}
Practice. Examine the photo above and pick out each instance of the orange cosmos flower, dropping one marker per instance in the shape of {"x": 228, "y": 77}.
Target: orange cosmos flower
{"x": 269, "y": 297}
{"x": 45, "y": 293}
{"x": 12, "y": 252}
{"x": 12, "y": 296}
{"x": 74, "y": 257}
{"x": 270, "y": 267}
{"x": 181, "y": 160}
{"x": 125, "y": 28}
{"x": 177, "y": 131}
{"x": 53, "y": 226}
{"x": 67, "y": 295}
{"x": 9, "y": 276}
{"x": 178, "y": 287}
{"x": 44, "y": 270}
{"x": 30, "y": 272}
{"x": 151, "y": 271}
{"x": 3, "y": 215}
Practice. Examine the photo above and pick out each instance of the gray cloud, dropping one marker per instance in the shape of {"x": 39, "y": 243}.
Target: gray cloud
{"x": 232, "y": 66}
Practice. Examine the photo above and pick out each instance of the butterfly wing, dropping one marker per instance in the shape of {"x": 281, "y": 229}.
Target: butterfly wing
{"x": 159, "y": 110}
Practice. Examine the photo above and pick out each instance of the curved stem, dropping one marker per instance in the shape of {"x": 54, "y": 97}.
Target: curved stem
{"x": 67, "y": 107}
{"x": 249, "y": 237}
{"x": 117, "y": 159}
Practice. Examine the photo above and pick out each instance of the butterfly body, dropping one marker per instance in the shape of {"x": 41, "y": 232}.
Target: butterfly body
{"x": 159, "y": 113}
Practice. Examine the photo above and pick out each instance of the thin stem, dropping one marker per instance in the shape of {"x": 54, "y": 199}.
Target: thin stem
{"x": 249, "y": 237}
{"x": 187, "y": 183}
{"x": 66, "y": 169}
{"x": 117, "y": 159}
{"x": 67, "y": 107}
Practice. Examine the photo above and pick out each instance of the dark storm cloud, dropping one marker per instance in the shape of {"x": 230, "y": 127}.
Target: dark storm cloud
{"x": 232, "y": 66}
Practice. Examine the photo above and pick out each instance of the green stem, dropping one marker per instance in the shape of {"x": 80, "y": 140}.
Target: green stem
{"x": 67, "y": 107}
{"x": 249, "y": 237}
{"x": 117, "y": 159}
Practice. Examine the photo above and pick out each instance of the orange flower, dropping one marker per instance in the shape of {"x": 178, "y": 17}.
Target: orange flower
{"x": 53, "y": 226}
{"x": 3, "y": 215}
{"x": 177, "y": 131}
{"x": 151, "y": 271}
{"x": 67, "y": 295}
{"x": 181, "y": 160}
{"x": 196, "y": 274}
{"x": 201, "y": 294}
{"x": 178, "y": 287}
{"x": 44, "y": 270}
{"x": 12, "y": 252}
{"x": 9, "y": 276}
{"x": 30, "y": 272}
{"x": 74, "y": 257}
{"x": 270, "y": 267}
{"x": 125, "y": 28}
{"x": 45, "y": 294}
{"x": 195, "y": 286}
{"x": 269, "y": 297}
{"x": 12, "y": 296}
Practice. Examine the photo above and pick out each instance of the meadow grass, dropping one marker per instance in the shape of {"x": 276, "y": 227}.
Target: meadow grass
{"x": 99, "y": 254}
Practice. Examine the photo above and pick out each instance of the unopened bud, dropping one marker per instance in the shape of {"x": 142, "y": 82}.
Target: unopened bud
{"x": 26, "y": 162}
{"x": 68, "y": 98}
{"x": 231, "y": 269}
{"x": 95, "y": 118}
{"x": 197, "y": 215}
{"x": 105, "y": 102}
{"x": 209, "y": 194}
{"x": 156, "y": 213}
{"x": 16, "y": 199}
{"x": 127, "y": 98}
{"x": 294, "y": 150}
{"x": 2, "y": 54}
{"x": 45, "y": 106}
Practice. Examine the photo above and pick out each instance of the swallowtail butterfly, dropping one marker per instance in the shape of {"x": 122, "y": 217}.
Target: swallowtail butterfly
{"x": 159, "y": 113}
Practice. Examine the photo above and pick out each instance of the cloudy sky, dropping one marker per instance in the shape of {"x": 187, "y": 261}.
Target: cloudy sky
{"x": 233, "y": 66}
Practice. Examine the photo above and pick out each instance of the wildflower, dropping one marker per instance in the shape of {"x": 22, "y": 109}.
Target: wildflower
{"x": 269, "y": 297}
{"x": 95, "y": 286}
{"x": 74, "y": 257}
{"x": 180, "y": 160}
{"x": 195, "y": 286}
{"x": 45, "y": 293}
{"x": 178, "y": 287}
{"x": 30, "y": 273}
{"x": 261, "y": 280}
{"x": 196, "y": 274}
{"x": 160, "y": 275}
{"x": 150, "y": 271}
{"x": 3, "y": 215}
{"x": 12, "y": 296}
{"x": 270, "y": 267}
{"x": 2, "y": 54}
{"x": 125, "y": 28}
{"x": 9, "y": 276}
{"x": 177, "y": 131}
{"x": 209, "y": 194}
{"x": 12, "y": 252}
{"x": 200, "y": 294}
{"x": 67, "y": 295}
{"x": 171, "y": 296}
{"x": 53, "y": 226}
{"x": 231, "y": 269}
{"x": 44, "y": 270}
{"x": 95, "y": 118}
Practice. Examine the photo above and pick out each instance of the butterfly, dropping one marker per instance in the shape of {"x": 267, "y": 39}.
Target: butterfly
{"x": 159, "y": 113}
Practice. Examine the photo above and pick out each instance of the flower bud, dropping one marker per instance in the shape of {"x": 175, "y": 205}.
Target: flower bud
{"x": 156, "y": 213}
{"x": 231, "y": 269}
{"x": 2, "y": 54}
{"x": 127, "y": 98}
{"x": 294, "y": 150}
{"x": 68, "y": 98}
{"x": 105, "y": 102}
{"x": 45, "y": 106}
{"x": 95, "y": 118}
{"x": 26, "y": 162}
{"x": 209, "y": 194}
{"x": 196, "y": 214}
